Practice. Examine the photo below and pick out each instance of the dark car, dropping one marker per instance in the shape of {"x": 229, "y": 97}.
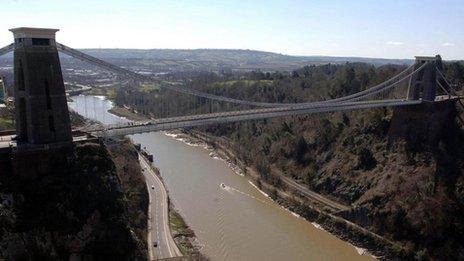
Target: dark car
{"x": 155, "y": 244}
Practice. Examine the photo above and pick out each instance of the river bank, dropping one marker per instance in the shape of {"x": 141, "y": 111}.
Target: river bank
{"x": 125, "y": 113}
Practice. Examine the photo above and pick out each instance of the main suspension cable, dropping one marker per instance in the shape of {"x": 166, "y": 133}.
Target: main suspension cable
{"x": 100, "y": 63}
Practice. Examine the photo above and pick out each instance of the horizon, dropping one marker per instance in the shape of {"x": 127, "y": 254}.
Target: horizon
{"x": 367, "y": 29}
{"x": 252, "y": 50}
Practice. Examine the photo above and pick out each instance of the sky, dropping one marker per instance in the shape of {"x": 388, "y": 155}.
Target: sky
{"x": 365, "y": 28}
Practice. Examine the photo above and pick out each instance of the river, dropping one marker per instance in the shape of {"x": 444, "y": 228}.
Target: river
{"x": 233, "y": 223}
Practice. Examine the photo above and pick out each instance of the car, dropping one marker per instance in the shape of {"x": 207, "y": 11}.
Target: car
{"x": 155, "y": 244}
{"x": 152, "y": 187}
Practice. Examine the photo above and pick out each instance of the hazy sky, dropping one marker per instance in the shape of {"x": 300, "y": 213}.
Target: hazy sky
{"x": 370, "y": 28}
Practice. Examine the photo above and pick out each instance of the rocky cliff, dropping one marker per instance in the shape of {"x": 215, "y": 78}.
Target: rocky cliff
{"x": 76, "y": 207}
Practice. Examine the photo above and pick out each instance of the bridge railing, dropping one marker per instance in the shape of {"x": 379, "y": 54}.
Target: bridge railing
{"x": 235, "y": 116}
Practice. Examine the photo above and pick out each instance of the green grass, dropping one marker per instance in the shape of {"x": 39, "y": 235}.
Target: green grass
{"x": 108, "y": 92}
{"x": 150, "y": 87}
{"x": 123, "y": 112}
{"x": 181, "y": 232}
{"x": 178, "y": 225}
{"x": 6, "y": 123}
{"x": 246, "y": 83}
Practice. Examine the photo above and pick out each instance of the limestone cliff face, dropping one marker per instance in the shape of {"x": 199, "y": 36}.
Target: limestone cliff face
{"x": 414, "y": 194}
{"x": 67, "y": 206}
{"x": 421, "y": 125}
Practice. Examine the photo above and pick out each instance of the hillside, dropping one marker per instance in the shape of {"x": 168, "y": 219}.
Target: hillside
{"x": 213, "y": 59}
{"x": 230, "y": 55}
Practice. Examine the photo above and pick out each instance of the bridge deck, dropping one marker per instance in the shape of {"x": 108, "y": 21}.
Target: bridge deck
{"x": 236, "y": 116}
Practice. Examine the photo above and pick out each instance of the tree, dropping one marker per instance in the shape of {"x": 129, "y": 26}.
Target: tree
{"x": 300, "y": 150}
{"x": 309, "y": 177}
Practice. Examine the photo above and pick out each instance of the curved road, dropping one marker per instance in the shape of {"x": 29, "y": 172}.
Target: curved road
{"x": 158, "y": 214}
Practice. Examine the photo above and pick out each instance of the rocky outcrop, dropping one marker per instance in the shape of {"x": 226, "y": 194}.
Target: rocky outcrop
{"x": 422, "y": 124}
{"x": 413, "y": 195}
{"x": 75, "y": 208}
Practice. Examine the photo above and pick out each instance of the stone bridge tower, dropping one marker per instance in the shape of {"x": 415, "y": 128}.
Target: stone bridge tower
{"x": 424, "y": 83}
{"x": 42, "y": 115}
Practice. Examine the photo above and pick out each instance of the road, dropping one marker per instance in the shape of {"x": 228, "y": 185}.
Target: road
{"x": 335, "y": 206}
{"x": 158, "y": 224}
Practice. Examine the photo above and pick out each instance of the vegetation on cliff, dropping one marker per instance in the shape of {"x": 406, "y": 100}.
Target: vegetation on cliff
{"x": 80, "y": 208}
{"x": 6, "y": 119}
{"x": 133, "y": 185}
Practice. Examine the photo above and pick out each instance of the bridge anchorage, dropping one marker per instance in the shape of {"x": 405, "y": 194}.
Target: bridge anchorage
{"x": 42, "y": 113}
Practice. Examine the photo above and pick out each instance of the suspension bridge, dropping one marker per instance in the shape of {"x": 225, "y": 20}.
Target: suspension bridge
{"x": 418, "y": 83}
